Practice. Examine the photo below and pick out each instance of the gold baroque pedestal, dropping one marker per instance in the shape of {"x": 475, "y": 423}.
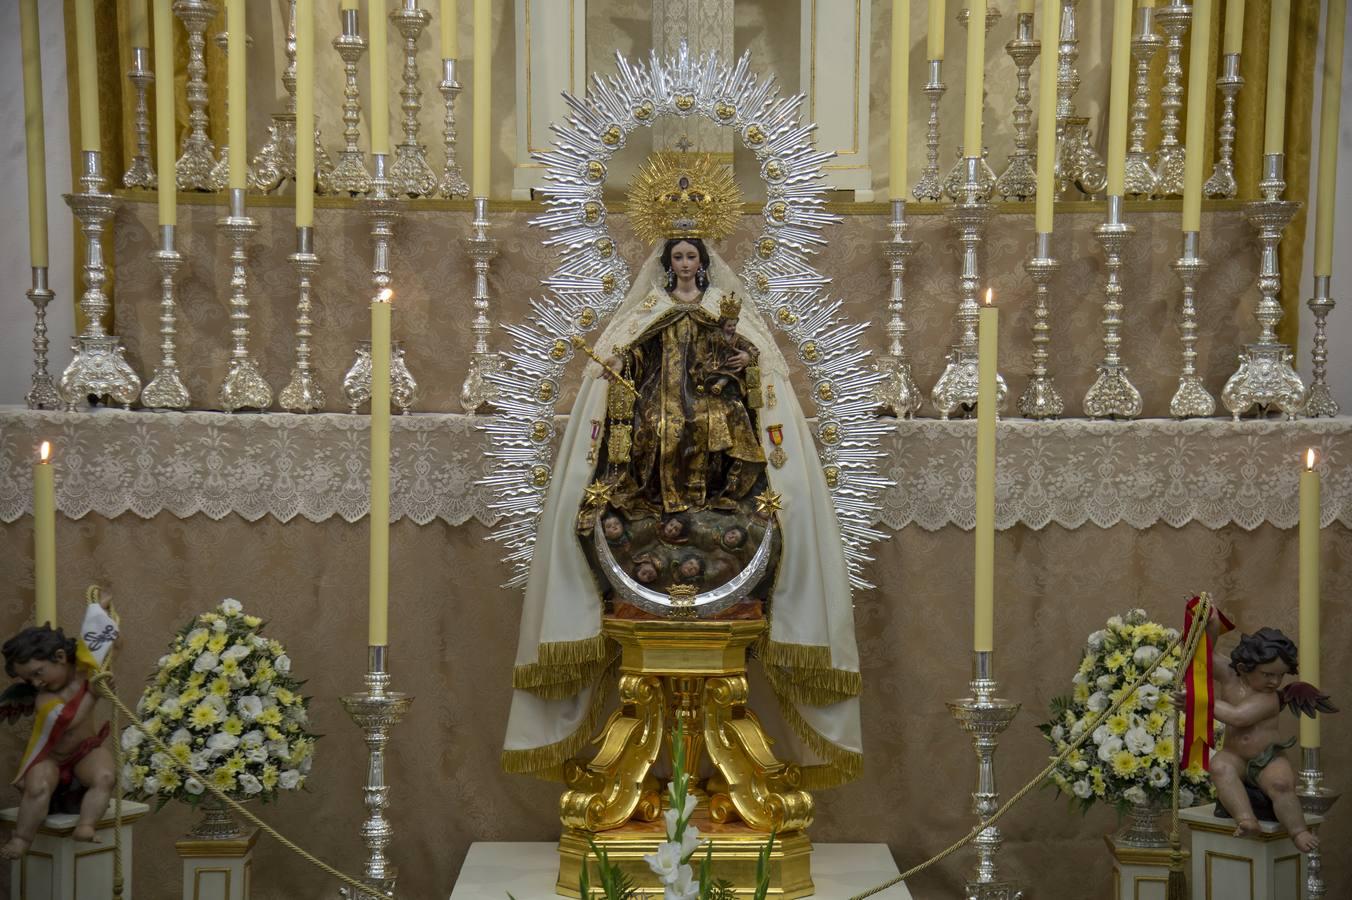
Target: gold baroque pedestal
{"x": 694, "y": 670}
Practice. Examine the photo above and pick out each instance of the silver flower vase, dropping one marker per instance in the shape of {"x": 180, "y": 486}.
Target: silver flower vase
{"x": 1142, "y": 827}
{"x": 217, "y": 823}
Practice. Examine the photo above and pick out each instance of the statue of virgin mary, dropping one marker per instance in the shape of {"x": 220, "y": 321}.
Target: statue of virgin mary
{"x": 686, "y": 467}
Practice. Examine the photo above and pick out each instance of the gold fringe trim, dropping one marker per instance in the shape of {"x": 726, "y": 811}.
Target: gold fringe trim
{"x": 568, "y": 653}
{"x": 841, "y": 765}
{"x": 803, "y": 672}
{"x": 794, "y": 656}
{"x": 563, "y": 668}
{"x": 547, "y": 762}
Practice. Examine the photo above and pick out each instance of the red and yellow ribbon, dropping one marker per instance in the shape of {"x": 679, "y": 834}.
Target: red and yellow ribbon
{"x": 1199, "y": 730}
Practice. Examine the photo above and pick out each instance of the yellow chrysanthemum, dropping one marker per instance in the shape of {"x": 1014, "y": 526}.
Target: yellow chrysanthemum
{"x": 197, "y": 679}
{"x": 1097, "y": 781}
{"x": 190, "y": 696}
{"x": 197, "y": 641}
{"x": 233, "y": 725}
{"x": 263, "y": 671}
{"x": 1154, "y": 722}
{"x": 1086, "y": 665}
{"x": 1081, "y": 693}
{"x": 223, "y": 779}
{"x": 152, "y": 726}
{"x": 1118, "y": 724}
{"x": 1116, "y": 660}
{"x": 180, "y": 753}
{"x": 175, "y": 660}
{"x": 270, "y": 716}
{"x": 284, "y": 697}
{"x": 1125, "y": 764}
{"x": 271, "y": 733}
{"x": 220, "y": 687}
{"x": 252, "y": 621}
{"x": 1164, "y": 750}
{"x": 204, "y": 715}
{"x": 217, "y": 643}
{"x": 170, "y": 781}
{"x": 235, "y": 763}
{"x": 269, "y": 777}
{"x": 229, "y": 667}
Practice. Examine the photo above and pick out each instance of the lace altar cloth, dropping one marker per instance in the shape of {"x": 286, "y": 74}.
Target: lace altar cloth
{"x": 1070, "y": 473}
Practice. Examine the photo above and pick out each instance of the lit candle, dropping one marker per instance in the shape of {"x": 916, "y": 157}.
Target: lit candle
{"x": 987, "y": 331}
{"x": 1199, "y": 85}
{"x": 1046, "y": 117}
{"x": 1117, "y": 97}
{"x": 1309, "y": 590}
{"x": 483, "y": 96}
{"x": 235, "y": 67}
{"x": 44, "y": 537}
{"x": 934, "y": 35}
{"x": 1279, "y": 36}
{"x": 165, "y": 160}
{"x": 86, "y": 53}
{"x": 378, "y": 628}
{"x": 1334, "y": 28}
{"x": 380, "y": 101}
{"x": 901, "y": 52}
{"x": 305, "y": 113}
{"x": 138, "y": 25}
{"x": 976, "y": 79}
{"x": 35, "y": 141}
{"x": 450, "y": 31}
{"x": 1234, "y": 27}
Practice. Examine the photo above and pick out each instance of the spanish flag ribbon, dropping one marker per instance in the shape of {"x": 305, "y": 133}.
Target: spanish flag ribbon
{"x": 1199, "y": 730}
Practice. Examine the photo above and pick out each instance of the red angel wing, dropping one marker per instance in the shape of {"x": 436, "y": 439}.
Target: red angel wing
{"x": 17, "y": 701}
{"x": 1303, "y": 697}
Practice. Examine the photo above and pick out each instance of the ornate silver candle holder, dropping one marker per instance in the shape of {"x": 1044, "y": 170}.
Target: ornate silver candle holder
{"x": 98, "y": 368}
{"x": 898, "y": 394}
{"x": 1078, "y": 164}
{"x": 478, "y": 390}
{"x": 410, "y": 173}
{"x": 453, "y": 182}
{"x": 141, "y": 173}
{"x": 275, "y": 161}
{"x": 357, "y": 381}
{"x": 1174, "y": 18}
{"x": 198, "y": 157}
{"x": 166, "y": 389}
{"x": 957, "y": 386}
{"x": 244, "y": 386}
{"x": 1112, "y": 395}
{"x": 1320, "y": 401}
{"x": 1222, "y": 184}
{"x": 302, "y": 393}
{"x": 349, "y": 173}
{"x": 1191, "y": 399}
{"x": 1265, "y": 376}
{"x": 1140, "y": 179}
{"x": 929, "y": 187}
{"x": 955, "y": 183}
{"x": 1019, "y": 179}
{"x": 1316, "y": 799}
{"x": 42, "y": 390}
{"x": 1041, "y": 399}
{"x": 219, "y": 177}
{"x": 375, "y": 711}
{"x": 985, "y": 717}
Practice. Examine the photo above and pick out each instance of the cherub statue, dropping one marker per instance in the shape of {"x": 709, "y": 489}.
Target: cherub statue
{"x": 66, "y": 766}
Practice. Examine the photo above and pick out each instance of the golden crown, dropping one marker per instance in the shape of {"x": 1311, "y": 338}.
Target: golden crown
{"x": 730, "y": 307}
{"x": 684, "y": 195}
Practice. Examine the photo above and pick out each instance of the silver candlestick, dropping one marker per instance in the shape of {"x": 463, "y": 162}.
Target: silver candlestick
{"x": 1265, "y": 376}
{"x": 357, "y": 381}
{"x": 1019, "y": 179}
{"x": 244, "y": 386}
{"x": 1222, "y": 182}
{"x": 166, "y": 389}
{"x": 376, "y": 711}
{"x": 928, "y": 187}
{"x": 1320, "y": 402}
{"x": 1139, "y": 178}
{"x": 219, "y": 178}
{"x": 957, "y": 386}
{"x": 275, "y": 161}
{"x": 42, "y": 391}
{"x": 410, "y": 173}
{"x": 1078, "y": 164}
{"x": 1112, "y": 395}
{"x": 1191, "y": 399}
{"x": 383, "y": 209}
{"x": 955, "y": 183}
{"x": 898, "y": 394}
{"x": 98, "y": 368}
{"x": 141, "y": 173}
{"x": 198, "y": 157}
{"x": 1174, "y": 17}
{"x": 984, "y": 717}
{"x": 453, "y": 182}
{"x": 349, "y": 173}
{"x": 1316, "y": 799}
{"x": 302, "y": 393}
{"x": 478, "y": 390}
{"x": 1041, "y": 399}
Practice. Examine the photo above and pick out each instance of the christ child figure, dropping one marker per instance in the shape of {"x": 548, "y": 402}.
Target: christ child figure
{"x": 732, "y": 354}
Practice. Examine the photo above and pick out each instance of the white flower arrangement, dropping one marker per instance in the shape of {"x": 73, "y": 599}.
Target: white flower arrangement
{"x": 1129, "y": 756}
{"x": 225, "y": 704}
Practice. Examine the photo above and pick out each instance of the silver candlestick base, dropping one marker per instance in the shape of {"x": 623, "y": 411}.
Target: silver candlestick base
{"x": 1041, "y": 399}
{"x": 1320, "y": 402}
{"x": 897, "y": 394}
{"x": 479, "y": 391}
{"x": 985, "y": 717}
{"x": 453, "y": 182}
{"x": 166, "y": 389}
{"x": 198, "y": 157}
{"x": 357, "y": 381}
{"x": 1174, "y": 18}
{"x": 1222, "y": 184}
{"x": 411, "y": 173}
{"x": 244, "y": 386}
{"x": 1265, "y": 377}
{"x": 929, "y": 187}
{"x": 141, "y": 173}
{"x": 1112, "y": 395}
{"x": 275, "y": 161}
{"x": 1078, "y": 164}
{"x": 1139, "y": 178}
{"x": 42, "y": 390}
{"x": 1316, "y": 799}
{"x": 349, "y": 173}
{"x": 1192, "y": 399}
{"x": 98, "y": 368}
{"x": 376, "y": 711}
{"x": 955, "y": 184}
{"x": 302, "y": 393}
{"x": 1019, "y": 179}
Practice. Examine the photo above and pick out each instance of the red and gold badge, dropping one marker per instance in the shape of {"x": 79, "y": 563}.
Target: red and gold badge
{"x": 777, "y": 456}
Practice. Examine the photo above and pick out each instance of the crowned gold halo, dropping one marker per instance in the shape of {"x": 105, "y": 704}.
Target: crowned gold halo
{"x": 684, "y": 195}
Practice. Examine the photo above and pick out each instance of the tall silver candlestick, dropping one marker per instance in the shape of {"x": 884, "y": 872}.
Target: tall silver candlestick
{"x": 453, "y": 182}
{"x": 98, "y": 368}
{"x": 1265, "y": 376}
{"x": 1191, "y": 399}
{"x": 1174, "y": 18}
{"x": 302, "y": 393}
{"x": 929, "y": 187}
{"x": 275, "y": 161}
{"x": 1320, "y": 402}
{"x": 984, "y": 717}
{"x": 166, "y": 389}
{"x": 1316, "y": 799}
{"x": 1041, "y": 399}
{"x": 141, "y": 173}
{"x": 1139, "y": 178}
{"x": 1019, "y": 179}
{"x": 1078, "y": 164}
{"x": 198, "y": 158}
{"x": 898, "y": 395}
{"x": 42, "y": 390}
{"x": 1222, "y": 182}
{"x": 244, "y": 386}
{"x": 479, "y": 391}
{"x": 1112, "y": 395}
{"x": 376, "y": 711}
{"x": 955, "y": 183}
{"x": 957, "y": 386}
{"x": 349, "y": 173}
{"x": 411, "y": 173}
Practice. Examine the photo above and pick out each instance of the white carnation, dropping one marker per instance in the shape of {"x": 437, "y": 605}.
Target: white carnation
{"x": 1148, "y": 696}
{"x": 221, "y": 742}
{"x": 289, "y": 779}
{"x": 218, "y": 626}
{"x": 1158, "y": 777}
{"x": 169, "y": 706}
{"x": 1115, "y": 622}
{"x": 160, "y": 761}
{"x": 193, "y": 786}
{"x": 1082, "y": 789}
{"x": 250, "y": 707}
{"x": 282, "y": 664}
{"x": 151, "y": 785}
{"x": 1098, "y": 701}
{"x": 206, "y": 662}
{"x": 1135, "y": 795}
{"x": 1101, "y": 734}
{"x": 279, "y": 749}
{"x": 1078, "y": 678}
{"x": 250, "y": 784}
{"x": 256, "y": 755}
{"x": 1058, "y": 733}
{"x": 1186, "y": 798}
{"x": 1139, "y": 741}
{"x": 1161, "y": 676}
{"x": 162, "y": 662}
{"x": 231, "y": 607}
{"x": 1096, "y": 640}
{"x": 1108, "y": 748}
{"x": 1105, "y": 682}
{"x": 252, "y": 738}
{"x": 236, "y": 652}
{"x": 1136, "y": 616}
{"x": 132, "y": 738}
{"x": 181, "y": 736}
{"x": 308, "y": 762}
{"x": 199, "y": 761}
{"x": 1144, "y": 656}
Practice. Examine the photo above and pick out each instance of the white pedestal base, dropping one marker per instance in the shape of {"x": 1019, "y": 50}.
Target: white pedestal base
{"x": 59, "y": 868}
{"x": 1139, "y": 874}
{"x": 217, "y": 870}
{"x": 1267, "y": 867}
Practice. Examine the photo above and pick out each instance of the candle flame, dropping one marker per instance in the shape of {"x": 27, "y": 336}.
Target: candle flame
{"x": 1309, "y": 460}
{"x": 989, "y": 293}
{"x": 385, "y": 295}
{"x": 45, "y": 451}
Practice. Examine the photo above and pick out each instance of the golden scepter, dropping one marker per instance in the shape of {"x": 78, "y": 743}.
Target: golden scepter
{"x": 615, "y": 376}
